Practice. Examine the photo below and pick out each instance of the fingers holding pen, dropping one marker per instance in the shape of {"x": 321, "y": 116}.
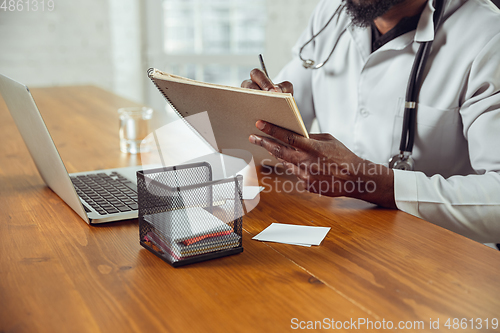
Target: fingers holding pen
{"x": 286, "y": 87}
{"x": 249, "y": 84}
{"x": 261, "y": 79}
{"x": 283, "y": 87}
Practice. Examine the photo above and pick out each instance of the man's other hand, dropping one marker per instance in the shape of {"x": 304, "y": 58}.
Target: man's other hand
{"x": 326, "y": 166}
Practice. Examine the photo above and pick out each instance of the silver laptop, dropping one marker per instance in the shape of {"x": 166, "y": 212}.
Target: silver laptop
{"x": 96, "y": 196}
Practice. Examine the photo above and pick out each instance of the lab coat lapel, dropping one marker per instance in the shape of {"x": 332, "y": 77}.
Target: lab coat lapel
{"x": 362, "y": 38}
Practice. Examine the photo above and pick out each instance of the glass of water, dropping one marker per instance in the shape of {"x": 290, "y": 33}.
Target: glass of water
{"x": 134, "y": 128}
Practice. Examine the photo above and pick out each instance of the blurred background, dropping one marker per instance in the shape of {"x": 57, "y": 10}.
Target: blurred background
{"x": 112, "y": 43}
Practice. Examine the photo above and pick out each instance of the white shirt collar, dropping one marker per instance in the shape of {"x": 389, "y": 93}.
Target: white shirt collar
{"x": 423, "y": 33}
{"x": 425, "y": 27}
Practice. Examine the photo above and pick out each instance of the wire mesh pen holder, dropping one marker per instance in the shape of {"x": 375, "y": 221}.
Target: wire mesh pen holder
{"x": 186, "y": 217}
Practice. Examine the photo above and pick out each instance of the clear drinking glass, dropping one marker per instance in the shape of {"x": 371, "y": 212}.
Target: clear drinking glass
{"x": 134, "y": 127}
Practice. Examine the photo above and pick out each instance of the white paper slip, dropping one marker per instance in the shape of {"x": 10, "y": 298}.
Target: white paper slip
{"x": 293, "y": 234}
{"x": 304, "y": 245}
{"x": 250, "y": 192}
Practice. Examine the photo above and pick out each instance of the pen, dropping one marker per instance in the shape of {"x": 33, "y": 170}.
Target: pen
{"x": 264, "y": 68}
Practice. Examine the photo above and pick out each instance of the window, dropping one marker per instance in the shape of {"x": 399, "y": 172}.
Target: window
{"x": 214, "y": 40}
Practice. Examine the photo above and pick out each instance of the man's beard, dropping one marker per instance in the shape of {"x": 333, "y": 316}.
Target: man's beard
{"x": 364, "y": 12}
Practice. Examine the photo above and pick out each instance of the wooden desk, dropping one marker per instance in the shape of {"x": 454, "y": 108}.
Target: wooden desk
{"x": 57, "y": 274}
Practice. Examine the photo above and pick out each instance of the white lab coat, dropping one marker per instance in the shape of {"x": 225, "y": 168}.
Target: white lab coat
{"x": 358, "y": 97}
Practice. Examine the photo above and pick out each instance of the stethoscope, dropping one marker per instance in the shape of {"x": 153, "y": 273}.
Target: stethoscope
{"x": 403, "y": 160}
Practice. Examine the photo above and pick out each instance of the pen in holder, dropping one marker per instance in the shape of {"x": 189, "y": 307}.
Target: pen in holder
{"x": 186, "y": 217}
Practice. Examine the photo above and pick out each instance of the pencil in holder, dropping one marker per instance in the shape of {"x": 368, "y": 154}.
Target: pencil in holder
{"x": 186, "y": 217}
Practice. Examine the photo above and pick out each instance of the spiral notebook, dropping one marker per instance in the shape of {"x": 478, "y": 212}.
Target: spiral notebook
{"x": 232, "y": 111}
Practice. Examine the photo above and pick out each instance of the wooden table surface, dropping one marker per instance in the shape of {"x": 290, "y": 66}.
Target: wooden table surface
{"x": 58, "y": 274}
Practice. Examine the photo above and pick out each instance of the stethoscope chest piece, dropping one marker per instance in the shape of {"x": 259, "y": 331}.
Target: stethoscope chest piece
{"x": 402, "y": 162}
{"x": 308, "y": 63}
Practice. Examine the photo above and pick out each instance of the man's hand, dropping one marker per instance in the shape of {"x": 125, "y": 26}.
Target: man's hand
{"x": 259, "y": 81}
{"x": 326, "y": 166}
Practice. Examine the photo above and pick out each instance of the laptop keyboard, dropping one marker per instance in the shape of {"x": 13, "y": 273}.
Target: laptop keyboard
{"x": 107, "y": 194}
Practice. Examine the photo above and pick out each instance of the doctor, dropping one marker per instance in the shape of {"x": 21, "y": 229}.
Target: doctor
{"x": 359, "y": 97}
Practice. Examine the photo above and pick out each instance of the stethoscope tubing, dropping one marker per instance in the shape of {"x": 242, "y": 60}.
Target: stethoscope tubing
{"x": 309, "y": 61}
{"x": 414, "y": 85}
